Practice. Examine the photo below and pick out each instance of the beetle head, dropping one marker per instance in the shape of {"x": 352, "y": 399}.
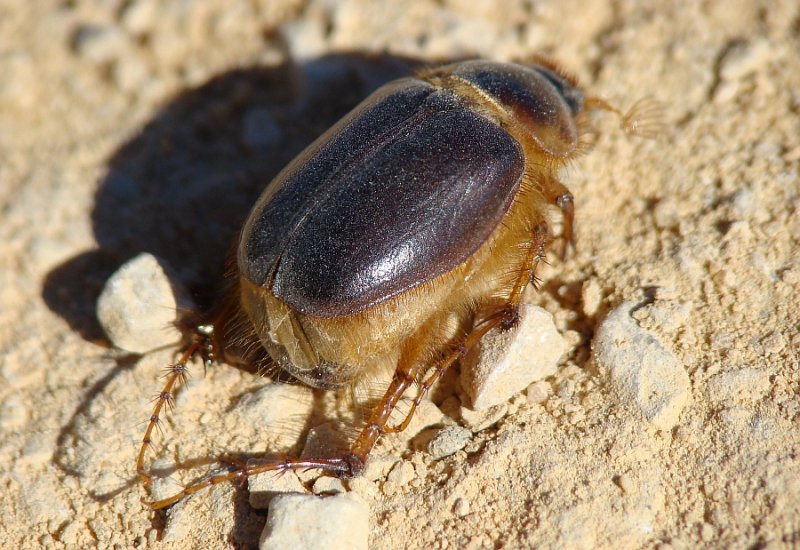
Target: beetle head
{"x": 540, "y": 98}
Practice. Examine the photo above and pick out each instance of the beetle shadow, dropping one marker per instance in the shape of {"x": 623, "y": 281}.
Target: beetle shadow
{"x": 181, "y": 188}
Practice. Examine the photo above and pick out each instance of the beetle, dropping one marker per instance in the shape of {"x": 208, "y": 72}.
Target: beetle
{"x": 400, "y": 237}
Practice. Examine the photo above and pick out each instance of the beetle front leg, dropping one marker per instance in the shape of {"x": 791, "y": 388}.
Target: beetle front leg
{"x": 557, "y": 193}
{"x": 200, "y": 345}
{"x": 536, "y": 247}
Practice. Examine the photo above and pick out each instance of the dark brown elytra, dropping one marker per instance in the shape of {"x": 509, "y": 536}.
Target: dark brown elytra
{"x": 399, "y": 238}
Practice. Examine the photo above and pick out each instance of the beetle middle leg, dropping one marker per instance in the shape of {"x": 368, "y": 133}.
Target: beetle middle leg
{"x": 503, "y": 317}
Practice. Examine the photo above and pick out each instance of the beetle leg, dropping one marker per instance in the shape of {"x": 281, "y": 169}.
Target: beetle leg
{"x": 527, "y": 273}
{"x": 352, "y": 463}
{"x": 435, "y": 374}
{"x": 504, "y": 317}
{"x": 200, "y": 345}
{"x": 340, "y": 466}
{"x": 558, "y": 194}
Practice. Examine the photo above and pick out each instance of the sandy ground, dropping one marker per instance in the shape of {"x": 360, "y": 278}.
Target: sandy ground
{"x": 133, "y": 126}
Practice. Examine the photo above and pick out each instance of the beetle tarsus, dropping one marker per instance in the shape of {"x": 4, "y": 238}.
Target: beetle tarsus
{"x": 510, "y": 317}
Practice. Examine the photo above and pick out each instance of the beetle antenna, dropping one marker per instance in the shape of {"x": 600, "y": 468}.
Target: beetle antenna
{"x": 644, "y": 119}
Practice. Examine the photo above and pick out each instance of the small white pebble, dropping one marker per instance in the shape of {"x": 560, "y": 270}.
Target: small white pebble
{"x": 131, "y": 73}
{"x": 401, "y": 473}
{"x": 707, "y": 532}
{"x": 310, "y": 522}
{"x": 13, "y": 412}
{"x": 538, "y": 392}
{"x": 363, "y": 487}
{"x": 70, "y": 534}
{"x": 461, "y": 507}
{"x": 773, "y": 342}
{"x": 744, "y": 59}
{"x": 378, "y": 467}
{"x": 305, "y": 37}
{"x": 138, "y": 16}
{"x": 625, "y": 482}
{"x": 100, "y": 43}
{"x": 591, "y": 296}
{"x": 139, "y": 303}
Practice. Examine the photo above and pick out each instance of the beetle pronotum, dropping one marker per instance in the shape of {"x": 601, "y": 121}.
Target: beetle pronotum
{"x": 400, "y": 237}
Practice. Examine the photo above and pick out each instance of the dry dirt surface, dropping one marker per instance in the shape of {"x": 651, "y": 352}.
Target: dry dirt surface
{"x": 130, "y": 126}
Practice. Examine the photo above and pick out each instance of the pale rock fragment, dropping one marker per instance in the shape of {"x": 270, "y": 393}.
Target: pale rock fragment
{"x": 744, "y": 59}
{"x": 480, "y": 420}
{"x": 365, "y": 488}
{"x": 378, "y": 466}
{"x": 100, "y": 43}
{"x": 138, "y": 306}
{"x": 644, "y": 373}
{"x": 131, "y": 74}
{"x": 305, "y": 38}
{"x": 327, "y": 485}
{"x": 448, "y": 440}
{"x": 507, "y": 362}
{"x": 14, "y": 413}
{"x": 538, "y": 392}
{"x": 138, "y": 16}
{"x": 591, "y": 297}
{"x": 401, "y": 473}
{"x": 461, "y": 507}
{"x": 311, "y": 522}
